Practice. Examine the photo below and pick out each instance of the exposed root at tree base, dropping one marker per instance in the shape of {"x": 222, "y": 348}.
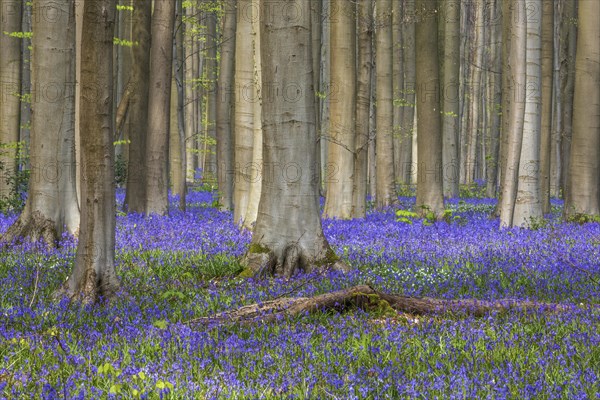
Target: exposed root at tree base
{"x": 34, "y": 227}
{"x": 368, "y": 299}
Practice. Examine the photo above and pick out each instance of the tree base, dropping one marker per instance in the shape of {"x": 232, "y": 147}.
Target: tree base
{"x": 368, "y": 299}
{"x": 89, "y": 291}
{"x": 264, "y": 262}
{"x": 32, "y": 226}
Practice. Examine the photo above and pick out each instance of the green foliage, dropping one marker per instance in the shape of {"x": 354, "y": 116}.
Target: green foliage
{"x": 472, "y": 190}
{"x": 428, "y": 216}
{"x": 123, "y": 42}
{"x": 406, "y": 216}
{"x": 120, "y": 170}
{"x": 17, "y": 181}
{"x": 581, "y": 218}
{"x": 19, "y": 35}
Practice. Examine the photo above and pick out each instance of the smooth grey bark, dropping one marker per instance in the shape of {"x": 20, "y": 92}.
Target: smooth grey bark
{"x": 10, "y": 79}
{"x": 288, "y": 236}
{"x": 93, "y": 273}
{"x": 245, "y": 91}
{"x": 157, "y": 145}
{"x": 135, "y": 194}
{"x": 209, "y": 169}
{"x": 51, "y": 205}
{"x": 398, "y": 84}
{"x": 191, "y": 120}
{"x": 546, "y": 109}
{"x": 384, "y": 146}
{"x": 528, "y": 206}
{"x": 515, "y": 87}
{"x": 364, "y": 56}
{"x": 430, "y": 197}
{"x": 342, "y": 110}
{"x": 583, "y": 185}
{"x": 26, "y": 81}
{"x": 177, "y": 151}
{"x": 406, "y": 163}
{"x": 449, "y": 92}
{"x": 224, "y": 111}
{"x": 316, "y": 13}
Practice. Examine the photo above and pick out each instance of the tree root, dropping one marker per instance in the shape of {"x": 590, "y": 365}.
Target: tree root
{"x": 34, "y": 227}
{"x": 368, "y": 299}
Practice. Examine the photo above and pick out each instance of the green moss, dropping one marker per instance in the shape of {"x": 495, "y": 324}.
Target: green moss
{"x": 258, "y": 249}
{"x": 329, "y": 259}
{"x": 377, "y": 306}
{"x": 246, "y": 273}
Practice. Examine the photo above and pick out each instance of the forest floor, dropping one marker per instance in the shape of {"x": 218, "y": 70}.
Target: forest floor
{"x": 179, "y": 268}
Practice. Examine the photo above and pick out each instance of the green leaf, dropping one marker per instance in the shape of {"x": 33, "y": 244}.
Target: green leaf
{"x": 160, "y": 324}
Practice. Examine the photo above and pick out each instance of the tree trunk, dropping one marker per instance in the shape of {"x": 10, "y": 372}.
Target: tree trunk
{"x": 25, "y": 123}
{"x": 516, "y": 80}
{"x": 288, "y": 236}
{"x": 180, "y": 167}
{"x": 363, "y": 106}
{"x": 546, "y": 109}
{"x": 343, "y": 110}
{"x": 209, "y": 169}
{"x": 406, "y": 162}
{"x": 161, "y": 60}
{"x": 257, "y": 162}
{"x": 244, "y": 109}
{"x": 224, "y": 110}
{"x": 52, "y": 197}
{"x": 384, "y": 146}
{"x": 450, "y": 103}
{"x": 135, "y": 195}
{"x": 10, "y": 79}
{"x": 528, "y": 206}
{"x": 316, "y": 13}
{"x": 93, "y": 274}
{"x": 398, "y": 84}
{"x": 191, "y": 120}
{"x": 430, "y": 197}
{"x": 583, "y": 185}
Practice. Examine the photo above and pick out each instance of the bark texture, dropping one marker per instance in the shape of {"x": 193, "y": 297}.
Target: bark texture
{"x": 288, "y": 236}
{"x": 93, "y": 274}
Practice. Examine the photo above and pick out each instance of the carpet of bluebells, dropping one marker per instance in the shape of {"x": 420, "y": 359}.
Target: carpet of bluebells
{"x": 177, "y": 268}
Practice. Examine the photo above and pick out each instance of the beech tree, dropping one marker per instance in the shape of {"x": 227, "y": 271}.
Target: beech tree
{"x": 10, "y": 81}
{"x": 51, "y": 204}
{"x": 583, "y": 189}
{"x": 288, "y": 236}
{"x": 157, "y": 145}
{"x": 93, "y": 274}
{"x": 430, "y": 197}
{"x": 342, "y": 110}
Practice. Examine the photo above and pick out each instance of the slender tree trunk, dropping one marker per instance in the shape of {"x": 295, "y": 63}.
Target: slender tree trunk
{"x": 430, "y": 197}
{"x": 569, "y": 28}
{"x": 25, "y": 123}
{"x": 224, "y": 110}
{"x": 528, "y": 206}
{"x": 583, "y": 185}
{"x": 209, "y": 169}
{"x": 288, "y": 235}
{"x": 450, "y": 110}
{"x": 363, "y": 105}
{"x": 343, "y": 110}
{"x": 386, "y": 192}
{"x": 406, "y": 162}
{"x": 135, "y": 195}
{"x": 257, "y": 146}
{"x": 10, "y": 79}
{"x": 547, "y": 84}
{"x": 316, "y": 13}
{"x": 398, "y": 84}
{"x": 516, "y": 82}
{"x": 191, "y": 120}
{"x": 161, "y": 60}
{"x": 177, "y": 150}
{"x": 94, "y": 273}
{"x": 244, "y": 109}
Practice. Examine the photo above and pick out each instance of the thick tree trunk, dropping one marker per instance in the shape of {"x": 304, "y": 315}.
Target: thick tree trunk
{"x": 288, "y": 235}
{"x": 546, "y": 108}
{"x": 430, "y": 197}
{"x": 26, "y": 81}
{"x": 363, "y": 106}
{"x": 528, "y": 206}
{"x": 450, "y": 103}
{"x": 516, "y": 83}
{"x": 406, "y": 162}
{"x": 10, "y": 79}
{"x": 94, "y": 273}
{"x": 343, "y": 110}
{"x": 385, "y": 185}
{"x": 369, "y": 299}
{"x": 209, "y": 169}
{"x": 224, "y": 110}
{"x": 398, "y": 84}
{"x": 244, "y": 110}
{"x": 583, "y": 185}
{"x": 135, "y": 195}
{"x": 52, "y": 197}
{"x": 316, "y": 13}
{"x": 157, "y": 147}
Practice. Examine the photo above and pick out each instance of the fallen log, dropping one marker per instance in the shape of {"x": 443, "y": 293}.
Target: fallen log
{"x": 368, "y": 299}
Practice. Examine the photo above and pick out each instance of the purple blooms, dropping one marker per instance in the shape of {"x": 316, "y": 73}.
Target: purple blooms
{"x": 180, "y": 267}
